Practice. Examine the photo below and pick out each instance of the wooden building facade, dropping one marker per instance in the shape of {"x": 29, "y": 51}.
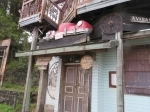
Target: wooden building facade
{"x": 93, "y": 56}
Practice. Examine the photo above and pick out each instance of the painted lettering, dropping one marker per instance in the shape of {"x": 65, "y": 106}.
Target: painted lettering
{"x": 139, "y": 19}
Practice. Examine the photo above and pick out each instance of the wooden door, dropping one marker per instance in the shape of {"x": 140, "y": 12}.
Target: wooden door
{"x": 76, "y": 89}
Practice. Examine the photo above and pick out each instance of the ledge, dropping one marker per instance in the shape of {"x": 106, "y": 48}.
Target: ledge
{"x": 69, "y": 49}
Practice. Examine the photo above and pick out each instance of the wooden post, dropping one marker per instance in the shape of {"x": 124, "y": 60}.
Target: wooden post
{"x": 120, "y": 90}
{"x": 7, "y": 43}
{"x": 26, "y": 100}
{"x": 42, "y": 62}
{"x": 42, "y": 90}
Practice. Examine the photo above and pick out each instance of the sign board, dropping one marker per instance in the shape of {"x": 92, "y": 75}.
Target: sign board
{"x": 42, "y": 62}
{"x": 140, "y": 19}
{"x": 86, "y": 62}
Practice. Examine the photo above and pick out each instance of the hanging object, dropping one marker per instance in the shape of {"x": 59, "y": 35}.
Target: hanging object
{"x": 111, "y": 23}
{"x": 86, "y": 62}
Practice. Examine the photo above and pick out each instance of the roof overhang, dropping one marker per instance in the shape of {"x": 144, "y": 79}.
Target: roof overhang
{"x": 70, "y": 49}
{"x": 90, "y": 6}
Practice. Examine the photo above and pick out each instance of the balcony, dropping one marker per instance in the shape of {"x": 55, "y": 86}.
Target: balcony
{"x": 39, "y": 13}
{"x": 47, "y": 12}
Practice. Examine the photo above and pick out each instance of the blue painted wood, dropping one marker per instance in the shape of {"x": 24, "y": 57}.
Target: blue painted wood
{"x": 105, "y": 96}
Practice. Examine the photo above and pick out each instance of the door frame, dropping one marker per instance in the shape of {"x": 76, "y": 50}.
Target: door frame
{"x": 61, "y": 91}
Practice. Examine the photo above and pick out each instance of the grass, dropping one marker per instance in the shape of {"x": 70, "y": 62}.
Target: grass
{"x": 18, "y": 88}
{"x": 13, "y": 87}
{"x": 7, "y": 108}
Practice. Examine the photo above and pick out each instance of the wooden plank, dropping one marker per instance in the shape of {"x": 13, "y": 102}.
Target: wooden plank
{"x": 139, "y": 34}
{"x": 50, "y": 21}
{"x": 42, "y": 10}
{"x": 26, "y": 100}
{"x": 5, "y": 43}
{"x": 42, "y": 90}
{"x": 70, "y": 49}
{"x": 58, "y": 1}
{"x": 66, "y": 41}
{"x": 120, "y": 90}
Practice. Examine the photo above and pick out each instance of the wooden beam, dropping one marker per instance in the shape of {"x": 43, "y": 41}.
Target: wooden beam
{"x": 70, "y": 49}
{"x": 120, "y": 91}
{"x": 139, "y": 34}
{"x": 66, "y": 41}
{"x": 42, "y": 90}
{"x": 26, "y": 100}
{"x": 5, "y": 43}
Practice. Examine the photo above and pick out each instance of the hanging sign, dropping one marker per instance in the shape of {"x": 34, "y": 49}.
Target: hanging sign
{"x": 42, "y": 62}
{"x": 86, "y": 62}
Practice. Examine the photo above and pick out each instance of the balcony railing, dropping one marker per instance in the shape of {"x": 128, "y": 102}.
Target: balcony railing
{"x": 30, "y": 7}
{"x": 69, "y": 10}
{"x": 53, "y": 12}
{"x": 35, "y": 11}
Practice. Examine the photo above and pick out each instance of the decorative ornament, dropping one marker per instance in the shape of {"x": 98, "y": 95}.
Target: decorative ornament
{"x": 111, "y": 23}
{"x": 86, "y": 62}
{"x": 53, "y": 71}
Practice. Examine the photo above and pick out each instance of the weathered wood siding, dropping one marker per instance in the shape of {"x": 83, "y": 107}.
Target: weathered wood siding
{"x": 96, "y": 87}
{"x": 103, "y": 97}
{"x": 137, "y": 103}
{"x": 109, "y": 94}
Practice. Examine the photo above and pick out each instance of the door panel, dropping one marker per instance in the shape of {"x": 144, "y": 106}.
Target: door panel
{"x": 69, "y": 89}
{"x": 76, "y": 90}
{"x": 68, "y": 104}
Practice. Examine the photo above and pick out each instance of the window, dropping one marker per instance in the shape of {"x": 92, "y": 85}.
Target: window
{"x": 137, "y": 70}
{"x": 112, "y": 79}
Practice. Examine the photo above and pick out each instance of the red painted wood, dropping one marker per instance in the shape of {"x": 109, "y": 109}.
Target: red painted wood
{"x": 137, "y": 70}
